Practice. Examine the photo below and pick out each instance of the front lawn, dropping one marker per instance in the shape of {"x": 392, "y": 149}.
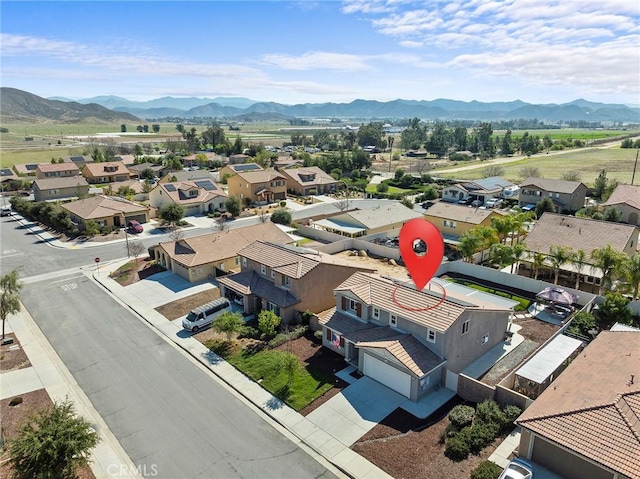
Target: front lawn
{"x": 278, "y": 371}
{"x": 523, "y": 303}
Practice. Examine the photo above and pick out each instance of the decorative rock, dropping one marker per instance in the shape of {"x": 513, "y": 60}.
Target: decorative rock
{"x": 393, "y": 262}
{"x": 362, "y": 253}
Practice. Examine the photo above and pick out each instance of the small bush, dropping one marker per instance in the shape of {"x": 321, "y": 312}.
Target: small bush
{"x": 284, "y": 337}
{"x": 511, "y": 413}
{"x": 15, "y": 401}
{"x": 461, "y": 416}
{"x": 486, "y": 470}
{"x": 457, "y": 448}
{"x": 481, "y": 435}
{"x": 489, "y": 411}
{"x": 318, "y": 335}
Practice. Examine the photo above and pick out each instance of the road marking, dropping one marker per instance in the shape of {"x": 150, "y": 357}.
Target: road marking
{"x": 11, "y": 255}
{"x": 69, "y": 286}
{"x": 67, "y": 279}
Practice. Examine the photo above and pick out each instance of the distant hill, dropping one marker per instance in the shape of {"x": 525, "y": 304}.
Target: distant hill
{"x": 120, "y": 104}
{"x": 17, "y": 106}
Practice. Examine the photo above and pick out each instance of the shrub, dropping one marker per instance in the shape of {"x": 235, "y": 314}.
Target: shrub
{"x": 268, "y": 321}
{"x": 284, "y": 337}
{"x": 486, "y": 470}
{"x": 457, "y": 448}
{"x": 382, "y": 187}
{"x": 511, "y": 413}
{"x": 461, "y": 416}
{"x": 489, "y": 411}
{"x": 281, "y": 216}
{"x": 481, "y": 434}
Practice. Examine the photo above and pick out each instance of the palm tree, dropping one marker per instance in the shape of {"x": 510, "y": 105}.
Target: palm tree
{"x": 469, "y": 244}
{"x": 503, "y": 226}
{"x": 517, "y": 252}
{"x": 609, "y": 261}
{"x": 558, "y": 256}
{"x": 632, "y": 273}
{"x": 579, "y": 260}
{"x": 538, "y": 262}
{"x": 488, "y": 236}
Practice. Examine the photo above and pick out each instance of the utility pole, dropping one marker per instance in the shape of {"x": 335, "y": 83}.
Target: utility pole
{"x": 635, "y": 165}
{"x": 391, "y": 138}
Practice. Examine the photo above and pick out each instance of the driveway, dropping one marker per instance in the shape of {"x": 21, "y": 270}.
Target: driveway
{"x": 165, "y": 287}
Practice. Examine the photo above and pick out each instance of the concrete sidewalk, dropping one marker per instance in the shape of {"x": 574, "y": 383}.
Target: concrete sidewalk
{"x": 47, "y": 371}
{"x": 310, "y": 435}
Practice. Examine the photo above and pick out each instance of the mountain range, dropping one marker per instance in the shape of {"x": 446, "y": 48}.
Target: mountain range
{"x": 17, "y": 105}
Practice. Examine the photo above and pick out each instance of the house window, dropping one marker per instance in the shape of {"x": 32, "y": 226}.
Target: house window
{"x": 537, "y": 193}
{"x": 352, "y": 305}
{"x": 485, "y": 338}
{"x": 286, "y": 281}
{"x": 393, "y": 320}
{"x": 274, "y": 308}
{"x": 376, "y": 313}
{"x": 53, "y": 192}
{"x": 273, "y": 274}
{"x": 449, "y": 224}
{"x": 465, "y": 327}
{"x": 431, "y": 336}
{"x": 237, "y": 260}
{"x": 193, "y": 193}
{"x": 263, "y": 269}
{"x": 244, "y": 261}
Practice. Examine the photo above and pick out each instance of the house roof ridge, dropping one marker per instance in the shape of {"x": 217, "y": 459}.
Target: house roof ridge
{"x": 570, "y": 412}
{"x": 628, "y": 414}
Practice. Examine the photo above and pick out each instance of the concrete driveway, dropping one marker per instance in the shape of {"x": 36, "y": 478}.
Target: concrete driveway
{"x": 162, "y": 288}
{"x": 350, "y": 414}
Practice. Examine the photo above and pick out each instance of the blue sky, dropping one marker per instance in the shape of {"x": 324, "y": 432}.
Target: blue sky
{"x": 538, "y": 51}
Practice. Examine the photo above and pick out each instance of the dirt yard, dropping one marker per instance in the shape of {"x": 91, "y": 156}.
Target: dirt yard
{"x": 135, "y": 270}
{"x": 382, "y": 265}
{"x": 182, "y": 306}
{"x": 12, "y": 356}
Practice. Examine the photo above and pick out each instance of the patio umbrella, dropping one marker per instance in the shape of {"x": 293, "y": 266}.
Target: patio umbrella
{"x": 557, "y": 295}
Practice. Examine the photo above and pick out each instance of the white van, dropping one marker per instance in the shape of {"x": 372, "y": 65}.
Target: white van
{"x": 203, "y": 316}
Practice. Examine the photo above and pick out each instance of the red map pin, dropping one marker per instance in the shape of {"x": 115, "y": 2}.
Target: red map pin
{"x": 421, "y": 262}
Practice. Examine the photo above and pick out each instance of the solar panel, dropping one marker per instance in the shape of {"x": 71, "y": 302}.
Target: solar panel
{"x": 206, "y": 184}
{"x": 6, "y": 172}
{"x": 245, "y": 167}
{"x": 170, "y": 187}
{"x": 77, "y": 159}
{"x": 30, "y": 167}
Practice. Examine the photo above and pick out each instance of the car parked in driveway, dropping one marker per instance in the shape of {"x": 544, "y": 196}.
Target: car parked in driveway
{"x": 517, "y": 469}
{"x": 134, "y": 227}
{"x": 493, "y": 203}
{"x": 5, "y": 211}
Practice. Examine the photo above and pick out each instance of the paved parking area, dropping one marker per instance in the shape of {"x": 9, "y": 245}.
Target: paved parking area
{"x": 165, "y": 287}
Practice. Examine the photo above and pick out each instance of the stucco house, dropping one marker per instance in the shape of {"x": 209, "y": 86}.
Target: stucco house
{"x": 364, "y": 222}
{"x": 56, "y": 170}
{"x": 482, "y": 190}
{"x": 310, "y": 181}
{"x": 568, "y": 196}
{"x": 452, "y": 220}
{"x": 213, "y": 254}
{"x": 106, "y": 211}
{"x": 197, "y": 196}
{"x": 259, "y": 186}
{"x": 286, "y": 279}
{"x": 626, "y": 199}
{"x": 107, "y": 172}
{"x": 233, "y": 169}
{"x": 411, "y": 341}
{"x": 66, "y": 187}
{"x": 587, "y": 423}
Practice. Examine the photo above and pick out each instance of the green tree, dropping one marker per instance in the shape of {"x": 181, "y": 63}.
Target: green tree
{"x": 581, "y": 323}
{"x": 600, "y": 185}
{"x": 146, "y": 186}
{"x": 281, "y": 216}
{"x": 469, "y": 245}
{"x": 91, "y": 228}
{"x": 53, "y": 443}
{"x": 370, "y": 134}
{"x": 506, "y": 148}
{"x": 10, "y": 296}
{"x": 558, "y": 256}
{"x": 579, "y": 260}
{"x": 631, "y": 270}
{"x": 123, "y": 128}
{"x": 147, "y": 174}
{"x": 612, "y": 214}
{"x": 125, "y": 191}
{"x": 539, "y": 261}
{"x": 610, "y": 262}
{"x": 382, "y": 187}
{"x": 171, "y": 214}
{"x": 439, "y": 140}
{"x": 529, "y": 172}
{"x": 268, "y": 321}
{"x": 233, "y": 205}
{"x": 155, "y": 127}
{"x": 228, "y": 323}
{"x": 545, "y": 205}
{"x": 571, "y": 175}
{"x": 613, "y": 310}
{"x": 407, "y": 202}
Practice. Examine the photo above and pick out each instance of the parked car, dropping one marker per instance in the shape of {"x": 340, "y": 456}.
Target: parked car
{"x": 465, "y": 201}
{"x": 517, "y": 469}
{"x": 5, "y": 211}
{"x": 493, "y": 203}
{"x": 203, "y": 316}
{"x": 134, "y": 227}
{"x": 476, "y": 203}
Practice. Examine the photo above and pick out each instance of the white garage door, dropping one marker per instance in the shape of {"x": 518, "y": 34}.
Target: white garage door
{"x": 387, "y": 375}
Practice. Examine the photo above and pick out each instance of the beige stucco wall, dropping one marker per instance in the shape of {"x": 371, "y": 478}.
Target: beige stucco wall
{"x": 460, "y": 227}
{"x": 71, "y": 192}
{"x": 238, "y": 186}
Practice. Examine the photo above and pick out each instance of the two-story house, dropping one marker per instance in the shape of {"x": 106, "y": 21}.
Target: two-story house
{"x": 197, "y": 197}
{"x": 567, "y": 196}
{"x": 411, "y": 341}
{"x": 452, "y": 220}
{"x": 233, "y": 169}
{"x": 260, "y": 187}
{"x": 310, "y": 181}
{"x": 109, "y": 172}
{"x": 286, "y": 279}
{"x": 626, "y": 199}
{"x": 56, "y": 170}
{"x": 64, "y": 187}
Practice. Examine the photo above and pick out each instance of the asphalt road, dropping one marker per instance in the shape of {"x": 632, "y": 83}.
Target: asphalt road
{"x": 172, "y": 418}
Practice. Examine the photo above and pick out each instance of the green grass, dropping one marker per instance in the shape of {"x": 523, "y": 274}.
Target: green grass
{"x": 392, "y": 190}
{"x": 588, "y": 162}
{"x": 523, "y": 303}
{"x": 565, "y": 133}
{"x": 267, "y": 368}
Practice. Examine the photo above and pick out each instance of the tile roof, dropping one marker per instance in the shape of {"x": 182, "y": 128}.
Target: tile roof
{"x": 184, "y": 175}
{"x": 250, "y": 282}
{"x": 98, "y": 169}
{"x": 556, "y": 186}
{"x": 334, "y": 319}
{"x": 176, "y": 191}
{"x": 410, "y": 352}
{"x": 212, "y": 247}
{"x": 61, "y": 182}
{"x": 260, "y": 176}
{"x": 593, "y": 407}
{"x": 383, "y": 215}
{"x": 244, "y": 167}
{"x": 290, "y": 260}
{"x": 51, "y": 167}
{"x": 455, "y": 212}
{"x": 100, "y": 206}
{"x": 577, "y": 233}
{"x": 317, "y": 176}
{"x": 628, "y": 194}
{"x": 374, "y": 290}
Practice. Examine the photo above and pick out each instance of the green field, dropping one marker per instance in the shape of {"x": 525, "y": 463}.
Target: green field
{"x": 565, "y": 134}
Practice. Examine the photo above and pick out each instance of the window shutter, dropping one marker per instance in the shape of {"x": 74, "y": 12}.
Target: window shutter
{"x": 344, "y": 303}
{"x": 341, "y": 341}
{"x": 328, "y": 334}
{"x": 359, "y": 309}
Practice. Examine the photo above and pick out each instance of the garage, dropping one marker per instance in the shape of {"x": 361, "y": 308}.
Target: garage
{"x": 387, "y": 375}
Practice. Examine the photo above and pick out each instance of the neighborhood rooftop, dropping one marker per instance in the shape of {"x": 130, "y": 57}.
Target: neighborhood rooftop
{"x": 629, "y": 194}
{"x": 454, "y": 212}
{"x": 99, "y": 206}
{"x": 556, "y": 186}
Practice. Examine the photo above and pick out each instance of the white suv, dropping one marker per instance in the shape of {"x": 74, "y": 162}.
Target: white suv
{"x": 493, "y": 202}
{"x": 204, "y": 315}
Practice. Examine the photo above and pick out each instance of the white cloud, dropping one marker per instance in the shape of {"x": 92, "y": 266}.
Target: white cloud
{"x": 317, "y": 61}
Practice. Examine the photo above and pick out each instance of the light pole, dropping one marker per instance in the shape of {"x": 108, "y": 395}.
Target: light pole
{"x": 126, "y": 233}
{"x": 346, "y": 190}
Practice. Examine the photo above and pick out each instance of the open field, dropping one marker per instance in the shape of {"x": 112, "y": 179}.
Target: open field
{"x": 565, "y": 133}
{"x": 588, "y": 162}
